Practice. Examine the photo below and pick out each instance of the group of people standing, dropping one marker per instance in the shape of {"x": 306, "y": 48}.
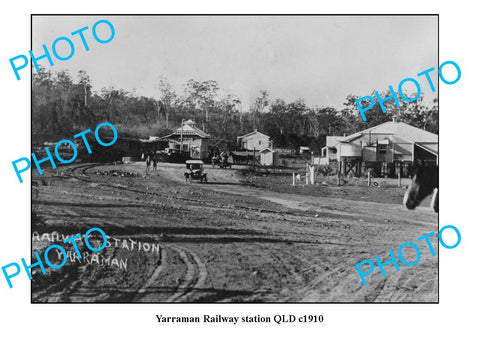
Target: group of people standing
{"x": 150, "y": 160}
{"x": 221, "y": 159}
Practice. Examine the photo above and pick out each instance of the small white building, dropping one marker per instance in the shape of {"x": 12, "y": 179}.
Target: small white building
{"x": 268, "y": 157}
{"x": 329, "y": 151}
{"x": 304, "y": 149}
{"x": 254, "y": 140}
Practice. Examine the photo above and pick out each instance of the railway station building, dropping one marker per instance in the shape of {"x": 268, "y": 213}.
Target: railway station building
{"x": 387, "y": 149}
{"x": 189, "y": 139}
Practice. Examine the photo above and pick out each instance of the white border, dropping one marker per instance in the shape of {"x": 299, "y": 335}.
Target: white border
{"x": 453, "y": 323}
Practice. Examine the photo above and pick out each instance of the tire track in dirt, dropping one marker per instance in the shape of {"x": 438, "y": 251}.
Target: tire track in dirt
{"x": 196, "y": 273}
{"x": 194, "y": 278}
{"x": 73, "y": 172}
{"x": 314, "y": 283}
{"x": 321, "y": 284}
{"x": 379, "y": 287}
{"x": 286, "y": 263}
{"x": 295, "y": 209}
{"x": 156, "y": 273}
{"x": 298, "y": 206}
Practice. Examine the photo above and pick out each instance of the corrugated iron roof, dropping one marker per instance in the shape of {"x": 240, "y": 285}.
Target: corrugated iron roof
{"x": 251, "y": 134}
{"x": 333, "y": 140}
{"x": 399, "y": 129}
{"x": 428, "y": 146}
{"x": 189, "y": 130}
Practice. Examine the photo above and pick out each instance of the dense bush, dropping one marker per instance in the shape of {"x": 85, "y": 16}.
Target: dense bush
{"x": 62, "y": 106}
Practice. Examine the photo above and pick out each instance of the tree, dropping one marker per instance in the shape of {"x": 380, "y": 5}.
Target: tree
{"x": 259, "y": 107}
{"x": 85, "y": 83}
{"x": 415, "y": 113}
{"x": 114, "y": 103}
{"x": 61, "y": 105}
{"x": 202, "y": 96}
{"x": 167, "y": 98}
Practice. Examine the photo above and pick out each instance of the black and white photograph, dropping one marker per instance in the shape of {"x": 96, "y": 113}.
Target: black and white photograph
{"x": 235, "y": 158}
{"x": 237, "y": 175}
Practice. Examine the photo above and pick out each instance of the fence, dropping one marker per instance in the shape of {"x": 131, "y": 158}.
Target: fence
{"x": 309, "y": 177}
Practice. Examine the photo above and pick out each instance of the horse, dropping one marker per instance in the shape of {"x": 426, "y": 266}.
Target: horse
{"x": 424, "y": 183}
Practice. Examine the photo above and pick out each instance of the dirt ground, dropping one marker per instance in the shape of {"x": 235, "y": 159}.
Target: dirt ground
{"x": 237, "y": 238}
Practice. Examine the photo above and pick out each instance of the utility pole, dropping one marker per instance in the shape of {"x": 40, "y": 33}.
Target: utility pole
{"x": 181, "y": 139}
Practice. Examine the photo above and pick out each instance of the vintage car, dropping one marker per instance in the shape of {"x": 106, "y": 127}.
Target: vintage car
{"x": 194, "y": 170}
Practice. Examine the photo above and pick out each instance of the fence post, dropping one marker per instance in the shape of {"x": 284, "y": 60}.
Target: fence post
{"x": 399, "y": 180}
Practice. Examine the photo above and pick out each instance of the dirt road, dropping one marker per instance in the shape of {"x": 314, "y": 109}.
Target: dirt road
{"x": 228, "y": 240}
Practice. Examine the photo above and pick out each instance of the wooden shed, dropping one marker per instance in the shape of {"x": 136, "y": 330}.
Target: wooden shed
{"x": 268, "y": 157}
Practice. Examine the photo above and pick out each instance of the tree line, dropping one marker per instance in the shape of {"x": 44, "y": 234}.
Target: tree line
{"x": 62, "y": 105}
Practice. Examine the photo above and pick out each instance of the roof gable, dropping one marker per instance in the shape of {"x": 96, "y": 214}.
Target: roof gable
{"x": 253, "y": 133}
{"x": 333, "y": 140}
{"x": 397, "y": 129}
{"x": 430, "y": 147}
{"x": 189, "y": 130}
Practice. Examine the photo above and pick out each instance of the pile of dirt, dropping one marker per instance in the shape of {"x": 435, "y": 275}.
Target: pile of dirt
{"x": 117, "y": 173}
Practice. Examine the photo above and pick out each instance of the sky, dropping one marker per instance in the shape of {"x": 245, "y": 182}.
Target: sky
{"x": 321, "y": 59}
